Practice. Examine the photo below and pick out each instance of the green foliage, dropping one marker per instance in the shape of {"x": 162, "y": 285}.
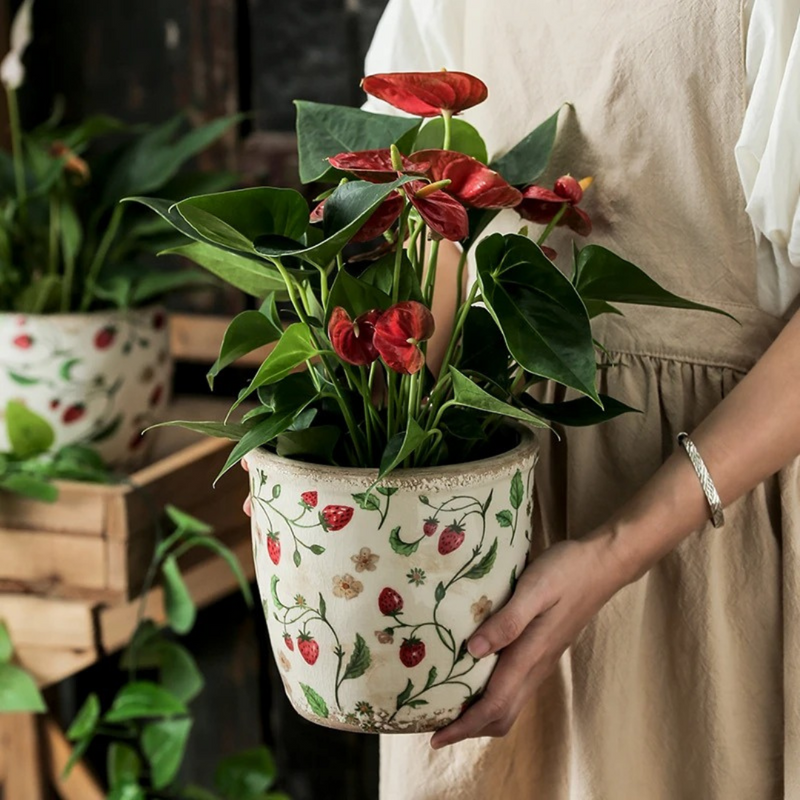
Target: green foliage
{"x": 65, "y": 243}
{"x": 18, "y": 690}
{"x": 149, "y": 721}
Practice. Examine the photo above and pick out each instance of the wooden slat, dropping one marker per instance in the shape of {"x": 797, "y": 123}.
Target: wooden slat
{"x": 81, "y": 784}
{"x": 52, "y": 559}
{"x": 197, "y": 337}
{"x": 24, "y": 778}
{"x": 50, "y": 665}
{"x": 81, "y": 510}
{"x": 47, "y": 623}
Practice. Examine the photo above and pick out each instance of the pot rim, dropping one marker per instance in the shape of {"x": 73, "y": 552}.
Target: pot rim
{"x": 526, "y": 448}
{"x": 86, "y": 315}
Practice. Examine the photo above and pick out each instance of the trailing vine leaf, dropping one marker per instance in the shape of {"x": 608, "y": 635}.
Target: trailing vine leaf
{"x": 163, "y": 744}
{"x": 431, "y": 677}
{"x": 405, "y": 694}
{"x": 180, "y": 608}
{"x": 273, "y": 588}
{"x": 517, "y": 491}
{"x": 504, "y": 518}
{"x": 399, "y": 546}
{"x": 367, "y": 501}
{"x": 359, "y": 660}
{"x": 85, "y": 720}
{"x": 317, "y": 704}
{"x": 484, "y": 566}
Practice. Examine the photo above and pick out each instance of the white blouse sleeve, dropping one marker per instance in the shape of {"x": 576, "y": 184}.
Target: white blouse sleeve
{"x": 768, "y": 150}
{"x": 413, "y": 36}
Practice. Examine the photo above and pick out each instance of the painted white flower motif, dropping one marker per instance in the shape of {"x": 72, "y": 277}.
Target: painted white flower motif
{"x": 481, "y": 608}
{"x": 12, "y": 72}
{"x": 383, "y": 637}
{"x": 347, "y": 586}
{"x": 365, "y": 560}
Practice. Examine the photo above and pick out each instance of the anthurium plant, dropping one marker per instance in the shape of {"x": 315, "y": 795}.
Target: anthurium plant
{"x": 347, "y": 380}
{"x": 66, "y": 244}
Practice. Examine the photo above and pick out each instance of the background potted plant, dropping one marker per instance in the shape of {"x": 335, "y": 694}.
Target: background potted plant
{"x": 83, "y": 342}
{"x": 391, "y": 503}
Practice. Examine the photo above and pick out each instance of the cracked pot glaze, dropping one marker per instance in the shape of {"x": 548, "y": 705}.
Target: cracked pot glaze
{"x": 98, "y": 378}
{"x": 370, "y": 597}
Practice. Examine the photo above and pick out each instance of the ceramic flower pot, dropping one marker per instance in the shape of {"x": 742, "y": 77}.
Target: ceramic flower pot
{"x": 98, "y": 378}
{"x": 370, "y": 598}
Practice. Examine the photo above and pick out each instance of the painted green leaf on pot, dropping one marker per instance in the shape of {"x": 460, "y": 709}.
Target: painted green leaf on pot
{"x": 360, "y": 660}
{"x": 85, "y": 720}
{"x": 432, "y": 673}
{"x": 178, "y": 602}
{"x": 405, "y": 694}
{"x": 527, "y": 160}
{"x": 142, "y": 699}
{"x": 28, "y": 433}
{"x": 542, "y": 317}
{"x": 325, "y": 130}
{"x": 464, "y": 138}
{"x": 603, "y": 275}
{"x": 107, "y": 430}
{"x": 273, "y": 589}
{"x": 578, "y": 412}
{"x": 484, "y": 566}
{"x": 65, "y": 370}
{"x": 22, "y": 380}
{"x": 440, "y": 592}
{"x": 467, "y": 393}
{"x": 318, "y": 705}
{"x": 237, "y": 218}
{"x": 517, "y": 491}
{"x": 163, "y": 744}
{"x": 346, "y": 210}
{"x": 504, "y": 518}
{"x": 399, "y": 546}
{"x": 367, "y": 501}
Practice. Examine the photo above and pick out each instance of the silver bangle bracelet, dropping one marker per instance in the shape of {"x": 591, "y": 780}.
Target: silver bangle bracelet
{"x": 710, "y": 491}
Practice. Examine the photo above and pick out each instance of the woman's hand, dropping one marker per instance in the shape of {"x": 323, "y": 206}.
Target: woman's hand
{"x": 555, "y": 598}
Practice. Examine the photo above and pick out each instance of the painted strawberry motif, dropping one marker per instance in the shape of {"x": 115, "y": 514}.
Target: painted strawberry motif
{"x": 308, "y": 648}
{"x": 430, "y": 525}
{"x": 73, "y": 413}
{"x": 23, "y": 341}
{"x": 334, "y": 518}
{"x": 104, "y": 338}
{"x": 412, "y": 651}
{"x": 451, "y": 538}
{"x": 156, "y": 395}
{"x": 309, "y": 499}
{"x": 389, "y": 602}
{"x": 274, "y": 547}
{"x": 287, "y": 640}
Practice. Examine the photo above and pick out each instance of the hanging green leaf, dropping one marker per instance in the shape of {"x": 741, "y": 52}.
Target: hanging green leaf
{"x": 142, "y": 699}
{"x": 18, "y": 691}
{"x": 180, "y": 608}
{"x": 123, "y": 765}
{"x": 163, "y": 744}
{"x": 85, "y": 720}
{"x": 28, "y": 433}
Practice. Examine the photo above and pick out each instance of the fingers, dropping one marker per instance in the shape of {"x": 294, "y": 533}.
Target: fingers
{"x": 244, "y": 466}
{"x": 247, "y": 506}
{"x": 508, "y": 624}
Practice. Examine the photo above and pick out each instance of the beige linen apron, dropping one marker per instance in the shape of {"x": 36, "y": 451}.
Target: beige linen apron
{"x": 685, "y": 687}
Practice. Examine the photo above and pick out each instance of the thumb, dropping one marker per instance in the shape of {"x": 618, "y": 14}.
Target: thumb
{"x": 508, "y": 624}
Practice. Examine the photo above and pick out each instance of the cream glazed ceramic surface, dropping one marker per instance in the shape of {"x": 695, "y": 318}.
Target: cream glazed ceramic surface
{"x": 370, "y": 598}
{"x": 98, "y": 378}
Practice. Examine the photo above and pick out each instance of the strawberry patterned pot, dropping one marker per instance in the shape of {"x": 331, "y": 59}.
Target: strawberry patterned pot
{"x": 370, "y": 597}
{"x": 98, "y": 378}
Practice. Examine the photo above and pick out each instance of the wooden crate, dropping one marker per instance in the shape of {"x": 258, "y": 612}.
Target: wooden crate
{"x": 95, "y": 542}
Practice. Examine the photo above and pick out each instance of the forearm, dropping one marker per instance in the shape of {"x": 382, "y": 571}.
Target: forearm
{"x": 751, "y": 434}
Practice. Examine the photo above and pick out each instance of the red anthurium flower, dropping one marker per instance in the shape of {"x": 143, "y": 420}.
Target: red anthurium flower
{"x": 381, "y": 220}
{"x": 352, "y": 340}
{"x": 442, "y": 213}
{"x": 549, "y": 252}
{"x": 541, "y": 205}
{"x": 427, "y": 94}
{"x": 471, "y": 182}
{"x": 374, "y": 166}
{"x": 398, "y": 333}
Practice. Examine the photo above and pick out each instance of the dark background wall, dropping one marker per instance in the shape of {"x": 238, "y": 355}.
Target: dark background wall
{"x": 143, "y": 62}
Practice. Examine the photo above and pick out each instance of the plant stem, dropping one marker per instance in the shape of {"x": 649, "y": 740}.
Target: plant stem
{"x": 447, "y": 120}
{"x": 552, "y": 224}
{"x": 430, "y": 277}
{"x": 461, "y": 318}
{"x": 16, "y": 149}
{"x": 462, "y": 263}
{"x": 52, "y": 254}
{"x": 398, "y": 257}
{"x": 100, "y": 255}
